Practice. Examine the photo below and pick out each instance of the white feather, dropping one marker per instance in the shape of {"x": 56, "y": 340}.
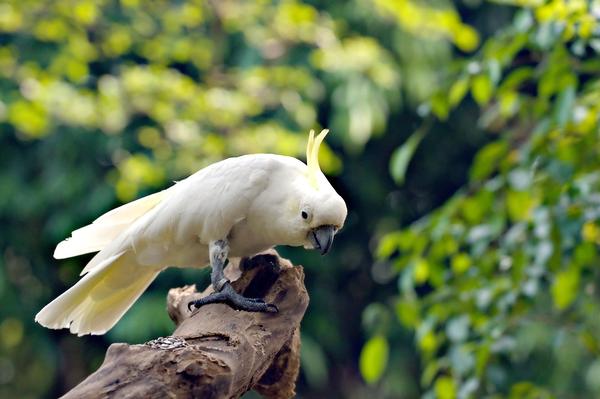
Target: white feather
{"x": 98, "y": 300}
{"x": 95, "y": 236}
{"x": 252, "y": 201}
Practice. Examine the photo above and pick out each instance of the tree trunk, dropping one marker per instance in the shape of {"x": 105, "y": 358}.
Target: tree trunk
{"x": 215, "y": 352}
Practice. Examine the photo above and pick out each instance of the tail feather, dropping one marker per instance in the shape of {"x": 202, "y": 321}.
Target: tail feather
{"x": 97, "y": 302}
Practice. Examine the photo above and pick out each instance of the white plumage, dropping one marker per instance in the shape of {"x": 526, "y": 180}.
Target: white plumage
{"x": 253, "y": 201}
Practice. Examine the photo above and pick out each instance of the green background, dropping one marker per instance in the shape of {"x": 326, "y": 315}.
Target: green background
{"x": 464, "y": 138}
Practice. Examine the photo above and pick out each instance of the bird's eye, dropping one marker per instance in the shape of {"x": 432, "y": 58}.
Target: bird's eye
{"x": 304, "y": 215}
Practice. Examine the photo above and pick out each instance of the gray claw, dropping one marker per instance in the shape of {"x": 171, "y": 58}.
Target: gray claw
{"x": 229, "y": 296}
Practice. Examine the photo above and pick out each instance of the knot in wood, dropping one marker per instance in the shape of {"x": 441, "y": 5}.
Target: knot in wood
{"x": 167, "y": 343}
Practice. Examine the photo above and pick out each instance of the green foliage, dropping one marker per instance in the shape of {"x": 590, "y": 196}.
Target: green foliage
{"x": 104, "y": 101}
{"x": 493, "y": 279}
{"x": 402, "y": 155}
{"x": 519, "y": 242}
{"x": 373, "y": 358}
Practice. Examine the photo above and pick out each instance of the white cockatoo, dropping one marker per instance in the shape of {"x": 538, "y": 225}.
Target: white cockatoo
{"x": 236, "y": 207}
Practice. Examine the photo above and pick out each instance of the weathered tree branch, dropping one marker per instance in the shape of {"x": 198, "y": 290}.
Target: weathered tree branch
{"x": 216, "y": 352}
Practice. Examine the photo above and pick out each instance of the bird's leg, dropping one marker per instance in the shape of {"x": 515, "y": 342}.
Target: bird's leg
{"x": 218, "y": 252}
{"x": 224, "y": 292}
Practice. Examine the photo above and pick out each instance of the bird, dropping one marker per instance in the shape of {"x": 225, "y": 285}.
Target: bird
{"x": 236, "y": 207}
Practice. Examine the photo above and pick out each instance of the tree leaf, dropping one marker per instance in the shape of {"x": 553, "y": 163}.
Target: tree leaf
{"x": 564, "y": 105}
{"x": 482, "y": 89}
{"x": 402, "y": 156}
{"x": 460, "y": 263}
{"x": 408, "y": 312}
{"x": 565, "y": 288}
{"x": 421, "y": 270}
{"x": 458, "y": 91}
{"x": 388, "y": 244}
{"x": 440, "y": 106}
{"x": 520, "y": 204}
{"x": 373, "y": 358}
{"x": 487, "y": 160}
{"x": 445, "y": 388}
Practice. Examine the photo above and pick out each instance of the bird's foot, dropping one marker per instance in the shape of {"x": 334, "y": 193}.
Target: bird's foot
{"x": 228, "y": 295}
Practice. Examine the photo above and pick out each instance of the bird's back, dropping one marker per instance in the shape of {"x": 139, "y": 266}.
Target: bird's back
{"x": 201, "y": 208}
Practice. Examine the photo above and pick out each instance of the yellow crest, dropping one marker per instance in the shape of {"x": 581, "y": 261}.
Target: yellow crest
{"x": 312, "y": 156}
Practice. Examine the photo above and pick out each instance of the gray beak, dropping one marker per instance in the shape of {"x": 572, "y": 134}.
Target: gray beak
{"x": 322, "y": 238}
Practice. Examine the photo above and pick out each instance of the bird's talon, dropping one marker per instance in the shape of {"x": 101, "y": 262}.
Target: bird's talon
{"x": 271, "y": 308}
{"x": 195, "y": 304}
{"x": 235, "y": 300}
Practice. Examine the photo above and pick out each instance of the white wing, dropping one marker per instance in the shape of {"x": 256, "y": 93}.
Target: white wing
{"x": 137, "y": 240}
{"x": 199, "y": 209}
{"x": 106, "y": 228}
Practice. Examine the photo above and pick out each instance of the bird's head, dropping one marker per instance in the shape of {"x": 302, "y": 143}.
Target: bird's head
{"x": 317, "y": 211}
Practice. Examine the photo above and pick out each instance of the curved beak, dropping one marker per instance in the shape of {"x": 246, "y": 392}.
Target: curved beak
{"x": 322, "y": 238}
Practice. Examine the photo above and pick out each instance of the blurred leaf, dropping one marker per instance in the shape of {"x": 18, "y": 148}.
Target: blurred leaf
{"x": 528, "y": 390}
{"x": 423, "y": 19}
{"x": 428, "y": 342}
{"x": 458, "y": 91}
{"x": 520, "y": 205}
{"x": 565, "y": 288}
{"x": 482, "y": 359}
{"x": 440, "y": 106}
{"x": 445, "y": 388}
{"x": 487, "y": 160}
{"x": 373, "y": 358}
{"x": 407, "y": 311}
{"x": 517, "y": 78}
{"x": 388, "y": 244}
{"x": 590, "y": 232}
{"x": 564, "y": 105}
{"x": 482, "y": 89}
{"x": 585, "y": 253}
{"x": 402, "y": 156}
{"x": 421, "y": 270}
{"x": 460, "y": 263}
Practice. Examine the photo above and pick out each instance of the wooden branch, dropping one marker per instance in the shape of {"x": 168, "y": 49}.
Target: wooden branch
{"x": 216, "y": 352}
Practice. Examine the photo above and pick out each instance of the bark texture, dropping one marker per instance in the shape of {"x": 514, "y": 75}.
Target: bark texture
{"x": 216, "y": 351}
